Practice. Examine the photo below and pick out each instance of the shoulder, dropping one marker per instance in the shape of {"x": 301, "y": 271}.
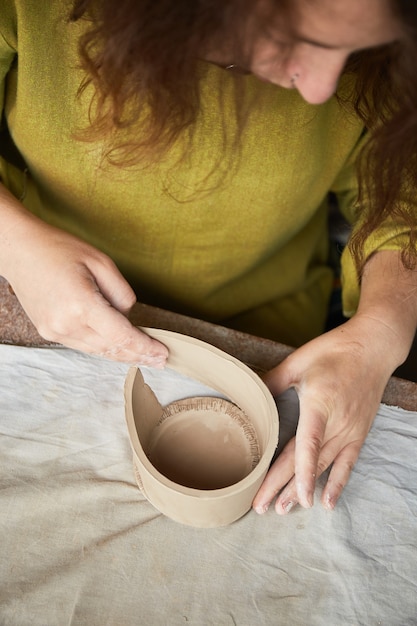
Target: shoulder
{"x": 8, "y": 25}
{"x": 23, "y": 16}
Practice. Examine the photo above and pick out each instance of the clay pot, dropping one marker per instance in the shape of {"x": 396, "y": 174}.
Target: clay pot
{"x": 201, "y": 460}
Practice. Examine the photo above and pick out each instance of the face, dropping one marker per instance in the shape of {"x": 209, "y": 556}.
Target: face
{"x": 311, "y": 56}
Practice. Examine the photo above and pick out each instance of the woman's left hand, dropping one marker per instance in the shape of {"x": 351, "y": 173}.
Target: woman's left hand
{"x": 340, "y": 378}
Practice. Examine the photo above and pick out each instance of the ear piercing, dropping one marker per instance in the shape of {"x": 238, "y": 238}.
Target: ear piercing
{"x": 293, "y": 79}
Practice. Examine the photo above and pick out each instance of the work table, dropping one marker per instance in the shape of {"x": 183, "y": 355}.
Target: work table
{"x": 259, "y": 354}
{"x": 83, "y": 544}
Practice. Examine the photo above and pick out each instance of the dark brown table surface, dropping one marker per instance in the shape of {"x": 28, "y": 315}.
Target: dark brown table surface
{"x": 259, "y": 354}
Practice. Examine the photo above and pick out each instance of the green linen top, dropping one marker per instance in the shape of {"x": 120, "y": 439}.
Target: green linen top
{"x": 245, "y": 246}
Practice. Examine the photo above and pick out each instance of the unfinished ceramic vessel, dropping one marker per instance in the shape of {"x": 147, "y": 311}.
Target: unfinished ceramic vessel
{"x": 201, "y": 460}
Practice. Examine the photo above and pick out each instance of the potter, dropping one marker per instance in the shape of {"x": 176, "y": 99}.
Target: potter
{"x": 146, "y": 167}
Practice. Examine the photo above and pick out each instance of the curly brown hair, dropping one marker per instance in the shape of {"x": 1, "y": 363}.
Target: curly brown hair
{"x": 137, "y": 77}
{"x": 385, "y": 98}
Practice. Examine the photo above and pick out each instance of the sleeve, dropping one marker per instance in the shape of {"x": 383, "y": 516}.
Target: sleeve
{"x": 8, "y": 56}
{"x": 390, "y": 235}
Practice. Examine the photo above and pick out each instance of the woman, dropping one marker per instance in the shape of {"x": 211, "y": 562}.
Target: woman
{"x": 184, "y": 142}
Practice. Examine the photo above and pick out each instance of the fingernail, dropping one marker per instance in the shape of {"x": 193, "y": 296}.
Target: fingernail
{"x": 284, "y": 507}
{"x": 261, "y": 508}
{"x": 329, "y": 502}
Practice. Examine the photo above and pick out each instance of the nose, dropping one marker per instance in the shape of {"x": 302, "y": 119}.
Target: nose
{"x": 317, "y": 82}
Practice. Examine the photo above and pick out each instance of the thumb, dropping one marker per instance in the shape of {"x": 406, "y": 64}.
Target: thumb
{"x": 280, "y": 378}
{"x": 126, "y": 342}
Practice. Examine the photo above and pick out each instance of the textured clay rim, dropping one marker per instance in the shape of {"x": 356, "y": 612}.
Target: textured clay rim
{"x": 218, "y": 405}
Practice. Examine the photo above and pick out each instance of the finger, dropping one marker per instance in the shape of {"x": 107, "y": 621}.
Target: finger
{"x": 89, "y": 341}
{"x": 343, "y": 463}
{"x": 277, "y": 477}
{"x": 89, "y": 323}
{"x": 288, "y": 497}
{"x": 309, "y": 440}
{"x": 340, "y": 474}
{"x": 123, "y": 341}
{"x": 119, "y": 340}
{"x": 111, "y": 283}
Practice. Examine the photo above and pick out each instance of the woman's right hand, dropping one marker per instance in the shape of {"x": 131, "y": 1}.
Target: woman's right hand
{"x": 73, "y": 293}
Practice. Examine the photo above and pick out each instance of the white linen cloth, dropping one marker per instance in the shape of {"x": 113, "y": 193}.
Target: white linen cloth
{"x": 80, "y": 545}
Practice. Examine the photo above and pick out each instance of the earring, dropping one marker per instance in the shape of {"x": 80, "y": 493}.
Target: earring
{"x": 293, "y": 79}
